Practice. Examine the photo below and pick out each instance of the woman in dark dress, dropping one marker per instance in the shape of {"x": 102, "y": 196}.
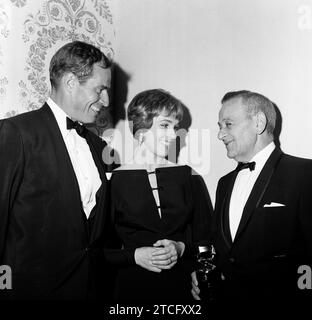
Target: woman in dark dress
{"x": 161, "y": 210}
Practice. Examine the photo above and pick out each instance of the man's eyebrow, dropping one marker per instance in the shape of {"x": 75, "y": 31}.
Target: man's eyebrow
{"x": 226, "y": 119}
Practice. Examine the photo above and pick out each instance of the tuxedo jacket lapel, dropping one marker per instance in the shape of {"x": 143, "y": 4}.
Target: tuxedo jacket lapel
{"x": 98, "y": 214}
{"x": 225, "y": 223}
{"x": 96, "y": 150}
{"x": 258, "y": 190}
{"x": 66, "y": 171}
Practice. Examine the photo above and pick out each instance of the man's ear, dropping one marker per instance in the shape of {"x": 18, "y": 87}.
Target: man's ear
{"x": 261, "y": 122}
{"x": 70, "y": 81}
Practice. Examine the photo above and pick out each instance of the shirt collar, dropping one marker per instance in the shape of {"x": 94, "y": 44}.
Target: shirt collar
{"x": 262, "y": 156}
{"x": 59, "y": 115}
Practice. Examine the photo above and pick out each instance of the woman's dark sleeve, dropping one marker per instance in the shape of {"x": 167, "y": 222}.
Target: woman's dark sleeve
{"x": 201, "y": 223}
{"x": 119, "y": 257}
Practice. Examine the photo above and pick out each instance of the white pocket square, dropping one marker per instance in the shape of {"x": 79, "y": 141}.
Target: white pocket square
{"x": 108, "y": 175}
{"x": 273, "y": 204}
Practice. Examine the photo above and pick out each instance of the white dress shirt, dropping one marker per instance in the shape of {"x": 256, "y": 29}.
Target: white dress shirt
{"x": 243, "y": 185}
{"x": 81, "y": 158}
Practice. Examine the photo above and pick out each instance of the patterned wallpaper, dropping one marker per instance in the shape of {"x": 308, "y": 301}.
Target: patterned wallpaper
{"x": 31, "y": 32}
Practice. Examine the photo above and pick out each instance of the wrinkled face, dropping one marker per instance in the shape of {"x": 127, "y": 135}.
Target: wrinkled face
{"x": 161, "y": 135}
{"x": 237, "y": 130}
{"x": 89, "y": 97}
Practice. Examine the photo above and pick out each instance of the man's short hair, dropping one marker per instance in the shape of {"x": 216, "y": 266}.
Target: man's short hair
{"x": 76, "y": 57}
{"x": 255, "y": 102}
{"x": 147, "y": 105}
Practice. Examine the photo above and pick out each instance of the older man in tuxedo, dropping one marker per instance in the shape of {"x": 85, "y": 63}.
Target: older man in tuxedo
{"x": 263, "y": 210}
{"x": 53, "y": 188}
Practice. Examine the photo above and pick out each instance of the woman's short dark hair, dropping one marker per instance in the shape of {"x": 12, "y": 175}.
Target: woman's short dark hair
{"x": 76, "y": 57}
{"x": 149, "y": 104}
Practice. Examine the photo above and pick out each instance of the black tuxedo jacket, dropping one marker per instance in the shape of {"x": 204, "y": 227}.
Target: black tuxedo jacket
{"x": 45, "y": 237}
{"x": 271, "y": 241}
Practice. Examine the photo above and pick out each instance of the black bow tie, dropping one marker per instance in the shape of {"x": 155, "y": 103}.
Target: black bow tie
{"x": 245, "y": 165}
{"x": 80, "y": 129}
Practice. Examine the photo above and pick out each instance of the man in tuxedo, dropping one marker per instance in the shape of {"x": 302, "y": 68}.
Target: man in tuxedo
{"x": 53, "y": 188}
{"x": 263, "y": 210}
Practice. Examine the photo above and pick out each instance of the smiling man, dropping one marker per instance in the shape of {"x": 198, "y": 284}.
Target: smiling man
{"x": 52, "y": 183}
{"x": 263, "y": 210}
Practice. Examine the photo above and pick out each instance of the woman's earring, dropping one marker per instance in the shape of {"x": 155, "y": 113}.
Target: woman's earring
{"x": 141, "y": 139}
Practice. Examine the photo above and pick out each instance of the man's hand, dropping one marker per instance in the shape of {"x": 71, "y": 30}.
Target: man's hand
{"x": 195, "y": 290}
